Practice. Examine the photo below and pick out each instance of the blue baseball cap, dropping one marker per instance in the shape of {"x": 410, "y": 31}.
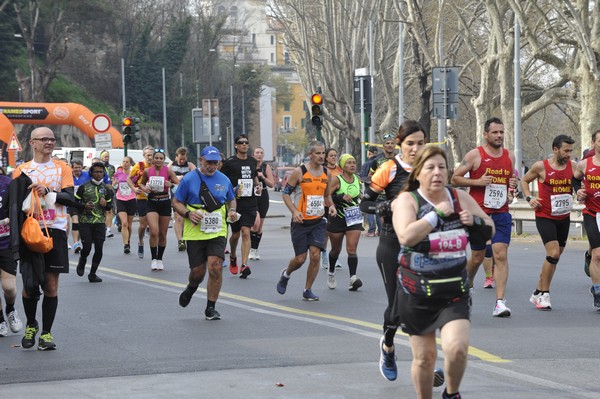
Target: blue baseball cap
{"x": 211, "y": 153}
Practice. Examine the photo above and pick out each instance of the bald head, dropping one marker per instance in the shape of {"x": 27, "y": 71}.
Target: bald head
{"x": 41, "y": 132}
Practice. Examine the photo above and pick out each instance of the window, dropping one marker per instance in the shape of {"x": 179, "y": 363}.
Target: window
{"x": 254, "y": 38}
{"x": 272, "y": 40}
{"x": 304, "y": 106}
{"x": 286, "y": 58}
{"x": 286, "y": 107}
{"x": 221, "y": 10}
{"x": 303, "y": 123}
{"x": 287, "y": 122}
{"x": 272, "y": 57}
{"x": 233, "y": 12}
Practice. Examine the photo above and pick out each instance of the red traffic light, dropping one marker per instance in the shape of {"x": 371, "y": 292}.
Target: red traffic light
{"x": 316, "y": 99}
{"x": 127, "y": 121}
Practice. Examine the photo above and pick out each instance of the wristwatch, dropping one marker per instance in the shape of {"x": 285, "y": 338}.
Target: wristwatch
{"x": 187, "y": 214}
{"x": 528, "y": 198}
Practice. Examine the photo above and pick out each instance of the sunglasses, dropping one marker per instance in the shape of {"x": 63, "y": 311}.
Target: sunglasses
{"x": 242, "y": 142}
{"x": 159, "y": 150}
{"x": 389, "y": 136}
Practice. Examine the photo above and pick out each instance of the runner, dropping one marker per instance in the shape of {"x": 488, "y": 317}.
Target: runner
{"x": 589, "y": 170}
{"x": 204, "y": 228}
{"x": 309, "y": 187}
{"x": 156, "y": 182}
{"x": 347, "y": 222}
{"x": 93, "y": 200}
{"x": 141, "y": 197}
{"x": 48, "y": 178}
{"x": 434, "y": 224}
{"x": 78, "y": 179}
{"x": 126, "y": 204}
{"x": 265, "y": 179}
{"x": 110, "y": 172}
{"x": 181, "y": 167}
{"x": 386, "y": 182}
{"x": 491, "y": 175}
{"x": 241, "y": 171}
{"x": 552, "y": 210}
{"x": 332, "y": 169}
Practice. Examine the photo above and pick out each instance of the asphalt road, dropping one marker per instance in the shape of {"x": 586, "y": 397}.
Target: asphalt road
{"x": 128, "y": 338}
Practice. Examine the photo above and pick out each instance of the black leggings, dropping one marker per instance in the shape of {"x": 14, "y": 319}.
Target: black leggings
{"x": 92, "y": 233}
{"x": 387, "y": 260}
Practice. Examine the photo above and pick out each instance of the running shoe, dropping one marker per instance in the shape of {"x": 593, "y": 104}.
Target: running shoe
{"x": 282, "y": 283}
{"x": 438, "y": 377}
{"x": 81, "y": 267}
{"x": 488, "y": 282}
{"x": 186, "y": 296}
{"x": 109, "y": 233}
{"x": 154, "y": 265}
{"x": 159, "y": 265}
{"x": 126, "y": 249}
{"x": 256, "y": 254}
{"x": 355, "y": 283}
{"x": 181, "y": 246}
{"x": 500, "y": 309}
{"x": 211, "y": 314}
{"x": 324, "y": 260}
{"x": 586, "y": 263}
{"x": 308, "y": 295}
{"x": 77, "y": 247}
{"x": 245, "y": 271}
{"x": 92, "y": 278}
{"x": 69, "y": 246}
{"x": 233, "y": 267}
{"x": 331, "y": 281}
{"x": 387, "y": 362}
{"x": 453, "y": 396}
{"x": 29, "y": 338}
{"x": 338, "y": 265}
{"x": 140, "y": 251}
{"x": 252, "y": 255}
{"x": 541, "y": 301}
{"x": 3, "y": 329}
{"x": 14, "y": 322}
{"x": 46, "y": 342}
{"x": 596, "y": 296}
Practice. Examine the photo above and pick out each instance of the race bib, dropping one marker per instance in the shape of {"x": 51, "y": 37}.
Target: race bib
{"x": 124, "y": 189}
{"x": 156, "y": 183}
{"x": 212, "y": 222}
{"x": 561, "y": 204}
{"x": 246, "y": 185}
{"x": 4, "y": 230}
{"x": 353, "y": 215}
{"x": 47, "y": 214}
{"x": 448, "y": 244}
{"x": 495, "y": 196}
{"x": 315, "y": 205}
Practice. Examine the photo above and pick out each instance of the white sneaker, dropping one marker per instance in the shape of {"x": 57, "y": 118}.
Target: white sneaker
{"x": 500, "y": 309}
{"x": 331, "y": 283}
{"x": 154, "y": 265}
{"x": 338, "y": 265}
{"x": 14, "y": 322}
{"x": 324, "y": 260}
{"x": 252, "y": 255}
{"x": 256, "y": 254}
{"x": 3, "y": 329}
{"x": 109, "y": 233}
{"x": 159, "y": 265}
{"x": 541, "y": 301}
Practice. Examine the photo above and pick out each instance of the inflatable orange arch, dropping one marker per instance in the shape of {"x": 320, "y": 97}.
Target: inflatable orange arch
{"x": 77, "y": 115}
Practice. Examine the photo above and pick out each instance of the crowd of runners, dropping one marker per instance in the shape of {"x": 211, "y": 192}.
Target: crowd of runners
{"x": 425, "y": 217}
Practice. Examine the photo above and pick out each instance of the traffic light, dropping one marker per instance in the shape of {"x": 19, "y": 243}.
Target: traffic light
{"x": 130, "y": 130}
{"x": 317, "y": 110}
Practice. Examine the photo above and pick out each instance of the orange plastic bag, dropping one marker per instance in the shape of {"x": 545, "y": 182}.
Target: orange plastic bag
{"x": 31, "y": 232}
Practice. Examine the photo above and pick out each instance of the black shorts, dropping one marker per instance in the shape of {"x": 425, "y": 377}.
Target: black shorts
{"x": 57, "y": 260}
{"x": 246, "y": 220}
{"x": 591, "y": 228}
{"x": 91, "y": 232}
{"x": 162, "y": 206}
{"x": 263, "y": 204}
{"x": 553, "y": 230}
{"x": 7, "y": 262}
{"x": 338, "y": 225}
{"x": 72, "y": 211}
{"x": 128, "y": 207}
{"x": 311, "y": 235}
{"x": 142, "y": 207}
{"x": 199, "y": 250}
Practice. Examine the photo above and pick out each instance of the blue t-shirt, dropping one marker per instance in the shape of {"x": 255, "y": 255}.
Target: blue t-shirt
{"x": 78, "y": 181}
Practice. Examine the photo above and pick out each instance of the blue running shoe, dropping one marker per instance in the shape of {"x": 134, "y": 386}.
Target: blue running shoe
{"x": 387, "y": 363}
{"x": 282, "y": 284}
{"x": 308, "y": 295}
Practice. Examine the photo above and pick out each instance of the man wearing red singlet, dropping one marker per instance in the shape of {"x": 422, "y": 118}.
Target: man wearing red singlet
{"x": 491, "y": 174}
{"x": 552, "y": 209}
{"x": 589, "y": 171}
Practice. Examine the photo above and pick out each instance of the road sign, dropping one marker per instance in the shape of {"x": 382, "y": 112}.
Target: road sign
{"x": 201, "y": 127}
{"x": 101, "y": 123}
{"x": 14, "y": 144}
{"x": 103, "y": 141}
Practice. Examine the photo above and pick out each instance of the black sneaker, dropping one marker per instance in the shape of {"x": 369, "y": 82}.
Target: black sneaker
{"x": 140, "y": 251}
{"x": 186, "y": 296}
{"x": 81, "y": 267}
{"x": 245, "y": 271}
{"x": 438, "y": 377}
{"x": 92, "y": 278}
{"x": 211, "y": 314}
{"x": 29, "y": 338}
{"x": 46, "y": 342}
{"x": 126, "y": 249}
{"x": 181, "y": 246}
